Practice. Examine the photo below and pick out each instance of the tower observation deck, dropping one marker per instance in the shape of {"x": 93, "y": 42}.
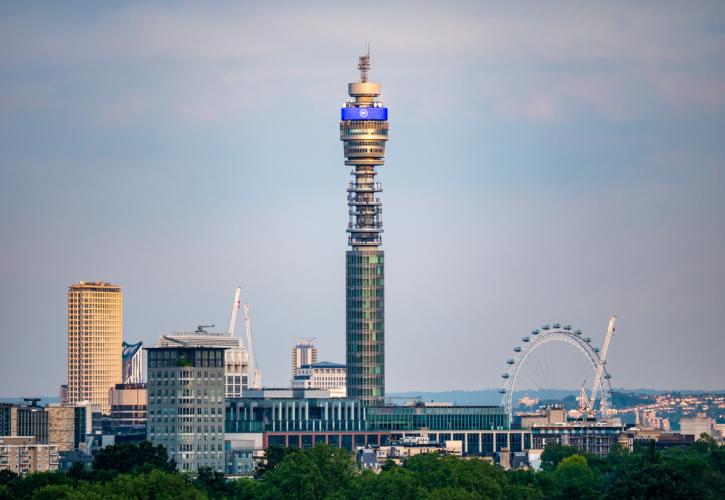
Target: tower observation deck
{"x": 364, "y": 131}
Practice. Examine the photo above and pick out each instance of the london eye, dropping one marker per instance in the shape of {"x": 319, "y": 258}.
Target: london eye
{"x": 591, "y": 359}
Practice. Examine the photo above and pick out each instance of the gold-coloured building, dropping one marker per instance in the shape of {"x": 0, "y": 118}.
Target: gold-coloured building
{"x": 94, "y": 341}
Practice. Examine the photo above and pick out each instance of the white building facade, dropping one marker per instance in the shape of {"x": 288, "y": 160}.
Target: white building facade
{"x": 324, "y": 375}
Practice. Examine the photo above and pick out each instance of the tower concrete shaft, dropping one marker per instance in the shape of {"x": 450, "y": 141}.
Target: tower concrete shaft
{"x": 364, "y": 132}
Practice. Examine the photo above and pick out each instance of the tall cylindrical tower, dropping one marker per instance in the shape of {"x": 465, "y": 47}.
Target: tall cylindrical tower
{"x": 364, "y": 131}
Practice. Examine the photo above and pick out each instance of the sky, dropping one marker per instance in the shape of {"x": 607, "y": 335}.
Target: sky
{"x": 548, "y": 162}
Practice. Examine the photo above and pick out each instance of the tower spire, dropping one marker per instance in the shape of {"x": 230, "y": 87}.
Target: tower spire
{"x": 364, "y": 64}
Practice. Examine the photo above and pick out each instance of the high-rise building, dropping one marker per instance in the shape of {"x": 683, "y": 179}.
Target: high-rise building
{"x": 133, "y": 363}
{"x": 303, "y": 353}
{"x": 94, "y": 341}
{"x": 236, "y": 356}
{"x": 186, "y": 404}
{"x": 364, "y": 131}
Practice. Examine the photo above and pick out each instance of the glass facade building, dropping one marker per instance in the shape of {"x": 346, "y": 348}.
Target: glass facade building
{"x": 364, "y": 132}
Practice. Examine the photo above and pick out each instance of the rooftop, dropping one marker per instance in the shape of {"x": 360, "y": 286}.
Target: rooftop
{"x": 324, "y": 364}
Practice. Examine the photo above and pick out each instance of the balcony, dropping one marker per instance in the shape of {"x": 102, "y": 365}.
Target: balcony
{"x": 374, "y": 187}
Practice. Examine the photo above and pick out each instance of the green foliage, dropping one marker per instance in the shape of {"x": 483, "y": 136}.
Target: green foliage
{"x": 214, "y": 483}
{"x": 273, "y": 456}
{"x": 329, "y": 473}
{"x": 573, "y": 478}
{"x": 7, "y": 476}
{"x": 129, "y": 457}
{"x": 319, "y": 472}
{"x": 555, "y": 453}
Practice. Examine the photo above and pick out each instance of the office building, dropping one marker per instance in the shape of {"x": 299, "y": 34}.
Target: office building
{"x": 324, "y": 375}
{"x": 129, "y": 407}
{"x": 364, "y": 132}
{"x": 236, "y": 357}
{"x": 133, "y": 363}
{"x": 62, "y": 427}
{"x": 303, "y": 353}
{"x": 186, "y": 404}
{"x": 22, "y": 455}
{"x": 300, "y": 418}
{"x": 25, "y": 419}
{"x": 696, "y": 425}
{"x": 94, "y": 341}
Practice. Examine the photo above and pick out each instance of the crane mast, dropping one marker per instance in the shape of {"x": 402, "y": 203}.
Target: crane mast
{"x": 235, "y": 310}
{"x": 602, "y": 361}
{"x": 254, "y": 381}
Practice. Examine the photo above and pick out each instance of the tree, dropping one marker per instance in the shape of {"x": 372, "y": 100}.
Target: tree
{"x": 156, "y": 484}
{"x": 573, "y": 478}
{"x": 7, "y": 476}
{"x": 128, "y": 457}
{"x": 555, "y": 453}
{"x": 214, "y": 483}
{"x": 273, "y": 456}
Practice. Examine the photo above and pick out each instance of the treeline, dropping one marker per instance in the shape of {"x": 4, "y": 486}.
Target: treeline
{"x": 144, "y": 472}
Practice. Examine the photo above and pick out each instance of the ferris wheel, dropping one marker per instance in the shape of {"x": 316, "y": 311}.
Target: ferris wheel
{"x": 594, "y": 357}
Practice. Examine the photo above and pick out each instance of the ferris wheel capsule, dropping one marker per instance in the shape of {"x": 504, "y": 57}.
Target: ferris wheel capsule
{"x": 502, "y": 390}
{"x": 526, "y": 339}
{"x": 608, "y": 376}
{"x": 505, "y": 375}
{"x": 545, "y": 327}
{"x": 588, "y": 339}
{"x": 596, "y": 349}
{"x": 557, "y": 326}
{"x": 578, "y": 332}
{"x": 517, "y": 349}
{"x": 534, "y": 332}
{"x": 567, "y": 327}
{"x": 510, "y": 361}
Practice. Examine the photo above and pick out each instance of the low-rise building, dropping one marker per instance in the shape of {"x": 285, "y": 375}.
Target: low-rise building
{"x": 323, "y": 375}
{"x": 129, "y": 407}
{"x": 696, "y": 426}
{"x": 22, "y": 455}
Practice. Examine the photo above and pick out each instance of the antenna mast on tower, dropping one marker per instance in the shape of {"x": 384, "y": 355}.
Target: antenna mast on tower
{"x": 364, "y": 64}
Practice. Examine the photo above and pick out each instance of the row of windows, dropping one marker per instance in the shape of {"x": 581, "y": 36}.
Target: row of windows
{"x": 380, "y": 151}
{"x": 365, "y": 325}
{"x": 365, "y": 369}
{"x": 380, "y": 144}
{"x": 364, "y": 258}
{"x": 364, "y": 314}
{"x": 367, "y": 282}
{"x": 365, "y": 292}
{"x": 358, "y": 359}
{"x": 358, "y": 304}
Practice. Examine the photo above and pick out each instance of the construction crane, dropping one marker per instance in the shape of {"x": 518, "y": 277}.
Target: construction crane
{"x": 235, "y": 311}
{"x": 587, "y": 403}
{"x": 255, "y": 376}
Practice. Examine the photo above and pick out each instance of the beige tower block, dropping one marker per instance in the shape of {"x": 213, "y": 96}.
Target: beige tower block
{"x": 94, "y": 341}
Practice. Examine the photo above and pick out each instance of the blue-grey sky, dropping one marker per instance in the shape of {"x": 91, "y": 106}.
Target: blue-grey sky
{"x": 547, "y": 162}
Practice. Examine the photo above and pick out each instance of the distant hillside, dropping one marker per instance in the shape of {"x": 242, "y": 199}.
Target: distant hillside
{"x": 621, "y": 398}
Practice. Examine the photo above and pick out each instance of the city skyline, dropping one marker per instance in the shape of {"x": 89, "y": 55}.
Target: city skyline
{"x": 531, "y": 186}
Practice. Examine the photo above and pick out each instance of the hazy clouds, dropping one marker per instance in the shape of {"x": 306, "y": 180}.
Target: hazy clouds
{"x": 547, "y": 162}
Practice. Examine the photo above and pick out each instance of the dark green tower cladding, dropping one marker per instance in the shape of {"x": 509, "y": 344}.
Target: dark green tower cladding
{"x": 364, "y": 131}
